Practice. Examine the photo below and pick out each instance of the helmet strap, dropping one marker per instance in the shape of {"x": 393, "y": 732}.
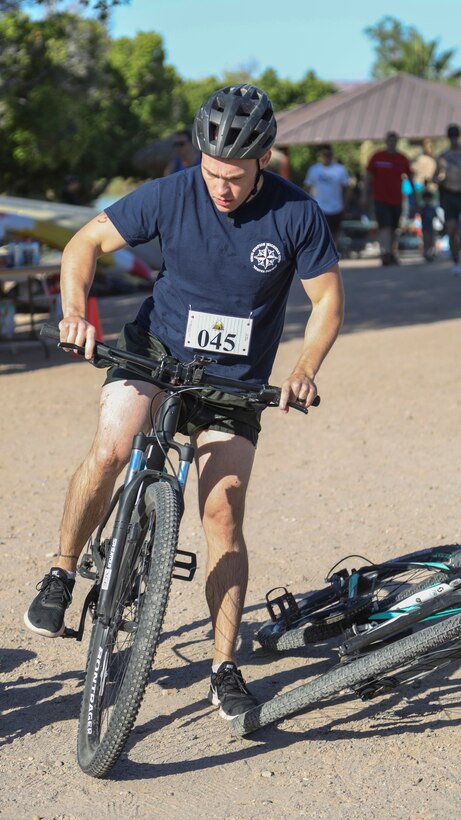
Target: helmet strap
{"x": 252, "y": 193}
{"x": 254, "y": 190}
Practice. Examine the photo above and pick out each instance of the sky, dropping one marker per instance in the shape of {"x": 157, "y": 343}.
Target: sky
{"x": 206, "y": 37}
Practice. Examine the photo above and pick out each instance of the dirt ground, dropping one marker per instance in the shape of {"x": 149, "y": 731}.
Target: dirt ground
{"x": 374, "y": 470}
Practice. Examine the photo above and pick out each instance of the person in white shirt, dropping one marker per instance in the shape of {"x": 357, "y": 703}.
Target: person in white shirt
{"x": 329, "y": 183}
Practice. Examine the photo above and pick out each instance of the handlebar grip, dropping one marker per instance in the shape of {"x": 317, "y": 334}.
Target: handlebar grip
{"x": 50, "y": 331}
{"x": 316, "y": 402}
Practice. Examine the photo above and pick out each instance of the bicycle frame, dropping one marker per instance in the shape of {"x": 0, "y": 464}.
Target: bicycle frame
{"x": 146, "y": 465}
{"x": 425, "y": 605}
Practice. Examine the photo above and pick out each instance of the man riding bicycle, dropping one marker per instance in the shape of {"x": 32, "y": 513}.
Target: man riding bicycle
{"x": 232, "y": 235}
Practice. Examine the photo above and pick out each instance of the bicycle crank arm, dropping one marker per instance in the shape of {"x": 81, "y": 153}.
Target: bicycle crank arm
{"x": 91, "y": 598}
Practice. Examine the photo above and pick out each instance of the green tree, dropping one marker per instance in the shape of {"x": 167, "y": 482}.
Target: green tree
{"x": 402, "y": 48}
{"x": 149, "y": 89}
{"x": 72, "y": 101}
{"x": 51, "y": 73}
{"x": 101, "y": 7}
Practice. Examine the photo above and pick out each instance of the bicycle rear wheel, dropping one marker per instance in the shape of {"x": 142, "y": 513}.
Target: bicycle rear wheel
{"x": 323, "y": 615}
{"x": 349, "y": 675}
{"x": 120, "y": 654}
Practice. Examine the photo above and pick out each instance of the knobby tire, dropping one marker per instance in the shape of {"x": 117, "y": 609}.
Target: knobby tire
{"x": 348, "y": 675}
{"x": 107, "y": 717}
{"x": 312, "y": 630}
{"x": 316, "y": 625}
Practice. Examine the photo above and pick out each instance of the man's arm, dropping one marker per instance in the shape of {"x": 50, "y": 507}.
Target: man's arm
{"x": 309, "y": 182}
{"x": 346, "y": 191}
{"x": 327, "y": 296}
{"x": 77, "y": 273}
{"x": 440, "y": 170}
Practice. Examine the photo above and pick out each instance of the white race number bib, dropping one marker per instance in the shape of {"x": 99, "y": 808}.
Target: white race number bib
{"x": 217, "y": 333}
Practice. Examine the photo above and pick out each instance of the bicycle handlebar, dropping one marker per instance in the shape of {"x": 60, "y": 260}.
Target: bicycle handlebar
{"x": 173, "y": 374}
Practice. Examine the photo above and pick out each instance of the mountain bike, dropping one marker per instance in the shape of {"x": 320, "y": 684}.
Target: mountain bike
{"x": 132, "y": 569}
{"x": 396, "y": 622}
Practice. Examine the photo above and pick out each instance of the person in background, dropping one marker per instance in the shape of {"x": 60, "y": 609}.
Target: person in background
{"x": 448, "y": 177}
{"x": 428, "y": 214}
{"x": 383, "y": 185}
{"x": 185, "y": 154}
{"x": 424, "y": 167}
{"x": 329, "y": 183}
{"x": 71, "y": 193}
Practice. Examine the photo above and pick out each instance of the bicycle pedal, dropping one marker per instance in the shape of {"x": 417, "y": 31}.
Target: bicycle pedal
{"x": 187, "y": 566}
{"x": 282, "y": 607}
{"x": 85, "y": 567}
{"x": 70, "y": 633}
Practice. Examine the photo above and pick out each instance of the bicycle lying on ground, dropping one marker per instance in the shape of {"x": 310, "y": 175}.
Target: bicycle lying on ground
{"x": 397, "y": 622}
{"x": 132, "y": 569}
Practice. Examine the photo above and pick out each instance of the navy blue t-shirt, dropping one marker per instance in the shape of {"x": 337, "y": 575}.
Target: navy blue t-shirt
{"x": 238, "y": 265}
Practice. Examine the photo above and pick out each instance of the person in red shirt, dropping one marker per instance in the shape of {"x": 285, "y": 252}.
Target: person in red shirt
{"x": 383, "y": 184}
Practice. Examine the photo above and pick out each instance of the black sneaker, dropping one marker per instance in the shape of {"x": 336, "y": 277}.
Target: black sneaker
{"x": 46, "y": 612}
{"x": 229, "y": 691}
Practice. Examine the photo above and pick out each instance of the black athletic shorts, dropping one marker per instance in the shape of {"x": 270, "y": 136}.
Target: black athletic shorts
{"x": 450, "y": 201}
{"x": 334, "y": 221}
{"x": 388, "y": 216}
{"x": 213, "y": 410}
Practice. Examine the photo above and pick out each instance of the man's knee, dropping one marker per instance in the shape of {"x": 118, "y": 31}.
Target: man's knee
{"x": 223, "y": 511}
{"x": 107, "y": 457}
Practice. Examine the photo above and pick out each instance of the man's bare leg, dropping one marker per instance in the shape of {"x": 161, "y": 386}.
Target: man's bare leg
{"x": 453, "y": 231}
{"x": 124, "y": 411}
{"x": 224, "y": 465}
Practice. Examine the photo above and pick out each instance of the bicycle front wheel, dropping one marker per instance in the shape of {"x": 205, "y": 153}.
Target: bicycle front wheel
{"x": 120, "y": 653}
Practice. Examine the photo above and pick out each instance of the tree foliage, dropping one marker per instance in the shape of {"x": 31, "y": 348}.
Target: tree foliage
{"x": 101, "y": 7}
{"x": 73, "y": 101}
{"x": 51, "y": 73}
{"x": 402, "y": 48}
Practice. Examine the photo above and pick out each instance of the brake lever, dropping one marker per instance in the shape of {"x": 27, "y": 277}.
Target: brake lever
{"x": 297, "y": 406}
{"x": 301, "y": 407}
{"x": 71, "y": 348}
{"x": 96, "y": 360}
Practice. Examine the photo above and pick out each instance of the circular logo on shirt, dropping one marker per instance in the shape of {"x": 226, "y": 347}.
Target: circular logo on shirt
{"x": 265, "y": 257}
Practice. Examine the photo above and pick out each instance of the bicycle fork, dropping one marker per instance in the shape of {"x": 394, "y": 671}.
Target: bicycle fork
{"x": 147, "y": 464}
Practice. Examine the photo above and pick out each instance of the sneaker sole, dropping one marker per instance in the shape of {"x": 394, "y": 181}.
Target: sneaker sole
{"x": 214, "y": 700}
{"x": 44, "y": 632}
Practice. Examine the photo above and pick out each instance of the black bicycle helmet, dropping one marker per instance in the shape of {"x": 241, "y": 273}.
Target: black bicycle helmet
{"x": 236, "y": 122}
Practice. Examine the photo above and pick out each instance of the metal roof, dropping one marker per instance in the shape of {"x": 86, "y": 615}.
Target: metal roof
{"x": 413, "y": 107}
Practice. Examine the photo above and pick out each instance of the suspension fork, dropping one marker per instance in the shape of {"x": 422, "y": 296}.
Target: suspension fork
{"x": 142, "y": 470}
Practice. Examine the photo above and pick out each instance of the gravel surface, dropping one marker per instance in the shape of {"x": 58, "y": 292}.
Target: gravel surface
{"x": 374, "y": 470}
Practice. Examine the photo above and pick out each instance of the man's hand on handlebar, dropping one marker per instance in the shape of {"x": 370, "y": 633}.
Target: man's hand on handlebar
{"x": 299, "y": 388}
{"x": 77, "y": 330}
